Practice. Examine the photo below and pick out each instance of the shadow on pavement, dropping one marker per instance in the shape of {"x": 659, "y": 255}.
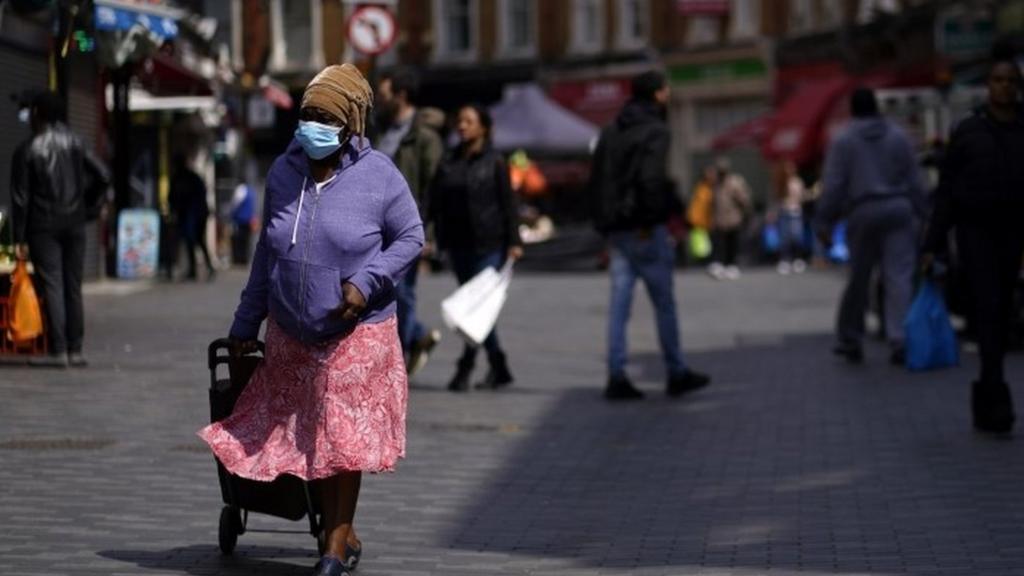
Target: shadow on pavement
{"x": 790, "y": 460}
{"x": 202, "y": 560}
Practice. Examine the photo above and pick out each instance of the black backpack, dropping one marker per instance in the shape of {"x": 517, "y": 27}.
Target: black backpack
{"x": 613, "y": 180}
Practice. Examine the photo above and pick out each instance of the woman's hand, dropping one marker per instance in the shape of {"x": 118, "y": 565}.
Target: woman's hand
{"x": 354, "y": 302}
{"x": 238, "y": 347}
{"x": 515, "y": 253}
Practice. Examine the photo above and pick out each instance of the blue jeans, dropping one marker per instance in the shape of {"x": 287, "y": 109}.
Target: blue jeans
{"x": 791, "y": 236}
{"x": 466, "y": 264}
{"x": 650, "y": 259}
{"x": 410, "y": 329}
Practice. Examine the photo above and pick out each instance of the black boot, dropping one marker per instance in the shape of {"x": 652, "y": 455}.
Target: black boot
{"x": 460, "y": 381}
{"x": 498, "y": 376}
{"x": 620, "y": 388}
{"x": 992, "y": 406}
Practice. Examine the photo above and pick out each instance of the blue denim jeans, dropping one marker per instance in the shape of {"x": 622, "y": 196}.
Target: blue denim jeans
{"x": 466, "y": 264}
{"x": 649, "y": 258}
{"x": 410, "y": 330}
{"x": 791, "y": 236}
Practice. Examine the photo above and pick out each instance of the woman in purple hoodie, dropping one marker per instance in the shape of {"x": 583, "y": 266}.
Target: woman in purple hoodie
{"x": 340, "y": 229}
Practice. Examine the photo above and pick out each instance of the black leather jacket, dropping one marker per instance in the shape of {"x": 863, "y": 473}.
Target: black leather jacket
{"x": 472, "y": 205}
{"x": 55, "y": 183}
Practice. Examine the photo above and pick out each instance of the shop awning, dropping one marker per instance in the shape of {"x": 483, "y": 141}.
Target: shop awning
{"x": 123, "y": 16}
{"x": 796, "y": 126}
{"x": 140, "y": 100}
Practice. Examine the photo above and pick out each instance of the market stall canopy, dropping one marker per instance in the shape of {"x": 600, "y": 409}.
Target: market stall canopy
{"x": 526, "y": 118}
{"x": 131, "y": 31}
{"x": 797, "y": 125}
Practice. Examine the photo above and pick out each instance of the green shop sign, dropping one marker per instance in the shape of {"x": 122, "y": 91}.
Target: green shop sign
{"x": 742, "y": 69}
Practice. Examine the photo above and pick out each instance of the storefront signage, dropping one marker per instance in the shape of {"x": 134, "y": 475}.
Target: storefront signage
{"x": 741, "y": 69}
{"x": 964, "y": 33}
{"x": 703, "y": 7}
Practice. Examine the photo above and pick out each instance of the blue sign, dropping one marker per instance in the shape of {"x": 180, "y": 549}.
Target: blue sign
{"x": 120, "y": 19}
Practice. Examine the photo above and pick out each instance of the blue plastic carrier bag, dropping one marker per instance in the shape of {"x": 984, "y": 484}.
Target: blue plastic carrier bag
{"x": 930, "y": 340}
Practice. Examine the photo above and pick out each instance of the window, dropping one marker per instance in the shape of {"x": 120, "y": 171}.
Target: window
{"x": 633, "y": 23}
{"x": 869, "y": 9}
{"x": 746, "y": 19}
{"x": 702, "y": 30}
{"x": 518, "y": 19}
{"x": 297, "y": 41}
{"x": 456, "y": 29}
{"x": 801, "y": 16}
{"x": 832, "y": 13}
{"x": 587, "y": 25}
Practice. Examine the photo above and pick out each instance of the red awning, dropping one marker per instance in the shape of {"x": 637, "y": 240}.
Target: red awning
{"x": 161, "y": 75}
{"x": 797, "y": 125}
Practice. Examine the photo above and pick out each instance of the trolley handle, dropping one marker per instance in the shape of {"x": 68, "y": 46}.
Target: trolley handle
{"x": 219, "y": 354}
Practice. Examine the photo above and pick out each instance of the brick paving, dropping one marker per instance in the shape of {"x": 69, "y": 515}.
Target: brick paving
{"x": 791, "y": 463}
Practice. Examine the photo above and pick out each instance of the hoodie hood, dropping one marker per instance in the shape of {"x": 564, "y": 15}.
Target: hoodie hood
{"x": 640, "y": 112}
{"x": 872, "y": 129}
{"x": 355, "y": 149}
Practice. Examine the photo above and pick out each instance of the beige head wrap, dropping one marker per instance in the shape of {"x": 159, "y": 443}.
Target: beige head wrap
{"x": 342, "y": 91}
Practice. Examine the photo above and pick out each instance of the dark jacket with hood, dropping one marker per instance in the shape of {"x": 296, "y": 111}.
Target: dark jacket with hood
{"x": 982, "y": 179}
{"x": 471, "y": 203}
{"x": 872, "y": 160}
{"x": 55, "y": 183}
{"x": 629, "y": 186}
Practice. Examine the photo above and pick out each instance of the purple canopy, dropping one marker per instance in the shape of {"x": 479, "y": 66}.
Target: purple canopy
{"x": 526, "y": 118}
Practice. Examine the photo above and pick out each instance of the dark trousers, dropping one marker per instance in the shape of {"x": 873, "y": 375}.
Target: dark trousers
{"x": 410, "y": 329}
{"x": 466, "y": 264}
{"x": 196, "y": 239}
{"x": 59, "y": 261}
{"x": 992, "y": 261}
{"x": 726, "y": 245}
{"x": 241, "y": 244}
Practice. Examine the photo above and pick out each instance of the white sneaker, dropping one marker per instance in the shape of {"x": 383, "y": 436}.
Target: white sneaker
{"x": 799, "y": 266}
{"x": 732, "y": 273}
{"x": 717, "y": 271}
{"x": 784, "y": 268}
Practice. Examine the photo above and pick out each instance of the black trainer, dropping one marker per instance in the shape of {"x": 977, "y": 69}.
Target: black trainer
{"x": 686, "y": 382}
{"x": 898, "y": 357}
{"x": 620, "y": 388}
{"x": 460, "y": 381}
{"x": 499, "y": 375}
{"x": 852, "y": 353}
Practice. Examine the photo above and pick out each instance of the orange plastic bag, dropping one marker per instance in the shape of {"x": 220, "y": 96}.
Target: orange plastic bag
{"x": 26, "y": 317}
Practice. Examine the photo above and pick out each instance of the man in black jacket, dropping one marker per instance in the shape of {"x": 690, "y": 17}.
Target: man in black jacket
{"x": 632, "y": 195}
{"x": 55, "y": 182}
{"x": 981, "y": 195}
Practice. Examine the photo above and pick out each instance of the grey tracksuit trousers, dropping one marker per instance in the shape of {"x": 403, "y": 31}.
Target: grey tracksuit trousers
{"x": 879, "y": 233}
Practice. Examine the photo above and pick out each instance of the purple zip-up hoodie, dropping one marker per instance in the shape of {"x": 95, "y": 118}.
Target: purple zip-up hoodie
{"x": 363, "y": 227}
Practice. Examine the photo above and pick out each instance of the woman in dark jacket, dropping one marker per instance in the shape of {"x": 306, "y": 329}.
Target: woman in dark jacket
{"x": 476, "y": 222}
{"x": 981, "y": 196}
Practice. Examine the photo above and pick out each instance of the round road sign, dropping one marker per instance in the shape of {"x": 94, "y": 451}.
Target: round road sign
{"x": 372, "y": 29}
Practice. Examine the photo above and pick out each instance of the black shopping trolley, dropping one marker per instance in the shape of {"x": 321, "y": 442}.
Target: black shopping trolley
{"x": 287, "y": 497}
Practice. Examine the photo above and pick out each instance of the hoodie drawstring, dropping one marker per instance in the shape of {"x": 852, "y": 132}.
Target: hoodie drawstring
{"x": 298, "y": 215}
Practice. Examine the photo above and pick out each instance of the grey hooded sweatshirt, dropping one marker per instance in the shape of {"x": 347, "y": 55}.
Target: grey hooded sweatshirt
{"x": 871, "y": 161}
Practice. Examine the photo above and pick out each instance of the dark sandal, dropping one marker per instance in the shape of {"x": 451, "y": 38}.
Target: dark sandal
{"x": 352, "y": 556}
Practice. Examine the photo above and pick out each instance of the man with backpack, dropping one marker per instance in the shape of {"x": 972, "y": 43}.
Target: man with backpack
{"x": 631, "y": 194}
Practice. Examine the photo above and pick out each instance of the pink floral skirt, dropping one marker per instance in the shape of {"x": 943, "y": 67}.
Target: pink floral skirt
{"x": 314, "y": 410}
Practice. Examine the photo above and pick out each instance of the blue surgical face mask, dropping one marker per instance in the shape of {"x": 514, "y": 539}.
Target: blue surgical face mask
{"x": 24, "y": 115}
{"x": 318, "y": 140}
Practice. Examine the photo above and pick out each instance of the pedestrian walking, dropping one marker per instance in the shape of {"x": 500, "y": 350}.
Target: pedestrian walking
{"x": 732, "y": 205}
{"x": 871, "y": 179}
{"x": 631, "y": 189}
{"x": 56, "y": 186}
{"x": 416, "y": 149}
{"x": 243, "y": 220}
{"x": 340, "y": 229}
{"x": 187, "y": 199}
{"x": 981, "y": 197}
{"x": 790, "y": 220}
{"x": 476, "y": 219}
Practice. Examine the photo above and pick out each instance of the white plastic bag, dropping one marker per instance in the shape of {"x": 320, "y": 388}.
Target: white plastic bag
{"x": 473, "y": 309}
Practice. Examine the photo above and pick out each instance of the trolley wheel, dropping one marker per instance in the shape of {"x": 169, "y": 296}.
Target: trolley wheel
{"x": 228, "y": 530}
{"x": 321, "y": 542}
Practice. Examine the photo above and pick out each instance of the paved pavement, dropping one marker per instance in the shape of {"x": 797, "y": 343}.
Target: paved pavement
{"x": 791, "y": 463}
